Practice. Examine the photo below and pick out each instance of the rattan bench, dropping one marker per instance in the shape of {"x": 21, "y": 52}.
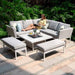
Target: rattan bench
{"x": 14, "y": 45}
{"x": 49, "y": 46}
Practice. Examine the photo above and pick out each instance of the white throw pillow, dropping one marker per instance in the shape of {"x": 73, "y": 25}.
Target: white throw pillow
{"x": 14, "y": 24}
{"x": 46, "y": 26}
{"x": 61, "y": 27}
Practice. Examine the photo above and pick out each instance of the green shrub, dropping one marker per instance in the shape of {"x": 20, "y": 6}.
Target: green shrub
{"x": 14, "y": 10}
{"x": 2, "y": 33}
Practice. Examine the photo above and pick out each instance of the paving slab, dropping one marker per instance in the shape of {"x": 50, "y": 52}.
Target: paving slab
{"x": 72, "y": 65}
{"x": 56, "y": 63}
{"x": 58, "y": 72}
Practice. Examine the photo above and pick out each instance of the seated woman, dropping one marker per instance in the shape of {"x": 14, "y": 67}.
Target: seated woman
{"x": 42, "y": 23}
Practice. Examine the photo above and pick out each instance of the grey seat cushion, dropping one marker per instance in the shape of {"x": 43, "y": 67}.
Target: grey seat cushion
{"x": 46, "y": 46}
{"x": 24, "y": 32}
{"x": 13, "y": 43}
{"x": 50, "y": 32}
{"x": 53, "y": 25}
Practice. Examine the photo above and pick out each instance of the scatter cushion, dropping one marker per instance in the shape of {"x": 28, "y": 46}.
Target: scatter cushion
{"x": 46, "y": 26}
{"x": 65, "y": 25}
{"x": 14, "y": 24}
{"x": 19, "y": 27}
{"x": 36, "y": 21}
{"x": 24, "y": 24}
{"x": 60, "y": 27}
{"x": 53, "y": 25}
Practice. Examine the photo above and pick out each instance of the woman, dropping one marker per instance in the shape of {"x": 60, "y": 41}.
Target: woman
{"x": 42, "y": 23}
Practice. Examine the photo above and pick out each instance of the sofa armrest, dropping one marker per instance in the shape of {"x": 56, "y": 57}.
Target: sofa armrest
{"x": 65, "y": 33}
{"x": 11, "y": 31}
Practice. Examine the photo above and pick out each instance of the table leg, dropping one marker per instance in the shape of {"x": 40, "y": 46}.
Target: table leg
{"x": 26, "y": 51}
{"x": 33, "y": 47}
{"x": 44, "y": 56}
{"x": 15, "y": 55}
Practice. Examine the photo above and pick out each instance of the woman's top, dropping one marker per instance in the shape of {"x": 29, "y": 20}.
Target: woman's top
{"x": 42, "y": 22}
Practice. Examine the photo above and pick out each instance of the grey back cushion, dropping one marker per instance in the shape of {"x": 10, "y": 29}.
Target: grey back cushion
{"x": 26, "y": 23}
{"x": 53, "y": 25}
{"x": 36, "y": 21}
{"x": 65, "y": 25}
{"x": 14, "y": 23}
{"x": 48, "y": 21}
{"x": 62, "y": 24}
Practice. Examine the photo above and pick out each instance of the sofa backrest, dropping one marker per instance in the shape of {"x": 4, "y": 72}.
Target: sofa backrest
{"x": 35, "y": 21}
{"x": 62, "y": 26}
{"x": 65, "y": 25}
{"x": 14, "y": 23}
{"x": 55, "y": 25}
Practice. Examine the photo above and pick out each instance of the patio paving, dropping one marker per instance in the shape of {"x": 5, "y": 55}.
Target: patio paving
{"x": 57, "y": 62}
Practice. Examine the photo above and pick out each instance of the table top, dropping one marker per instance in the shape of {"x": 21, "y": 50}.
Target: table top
{"x": 34, "y": 40}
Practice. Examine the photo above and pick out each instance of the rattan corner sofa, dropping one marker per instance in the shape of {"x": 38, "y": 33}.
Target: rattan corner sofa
{"x": 53, "y": 28}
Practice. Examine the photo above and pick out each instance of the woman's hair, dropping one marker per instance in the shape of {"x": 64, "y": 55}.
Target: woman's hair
{"x": 43, "y": 16}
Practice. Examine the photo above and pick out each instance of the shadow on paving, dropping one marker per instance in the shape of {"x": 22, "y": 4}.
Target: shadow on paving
{"x": 6, "y": 67}
{"x": 68, "y": 74}
{"x": 15, "y": 70}
{"x": 39, "y": 56}
{"x": 7, "y": 53}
